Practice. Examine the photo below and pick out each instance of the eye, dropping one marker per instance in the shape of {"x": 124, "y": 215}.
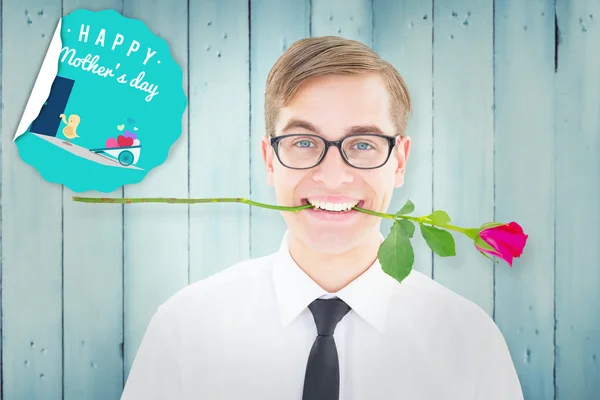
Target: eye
{"x": 303, "y": 143}
{"x": 363, "y": 144}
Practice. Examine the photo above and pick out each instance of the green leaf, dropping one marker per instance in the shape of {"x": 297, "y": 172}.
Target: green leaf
{"x": 396, "y": 254}
{"x": 408, "y": 226}
{"x": 438, "y": 240}
{"x": 439, "y": 217}
{"x": 407, "y": 208}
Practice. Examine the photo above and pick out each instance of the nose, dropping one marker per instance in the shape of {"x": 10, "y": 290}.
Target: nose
{"x": 333, "y": 170}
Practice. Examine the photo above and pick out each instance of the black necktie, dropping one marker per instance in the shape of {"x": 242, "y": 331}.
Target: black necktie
{"x": 322, "y": 379}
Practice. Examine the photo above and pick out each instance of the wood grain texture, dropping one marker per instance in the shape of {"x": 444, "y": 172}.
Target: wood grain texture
{"x": 501, "y": 130}
{"x": 350, "y": 19}
{"x": 402, "y": 35}
{"x": 275, "y": 25}
{"x": 219, "y": 155}
{"x": 93, "y": 282}
{"x": 524, "y": 177}
{"x": 156, "y": 235}
{"x": 1, "y": 215}
{"x": 577, "y": 191}
{"x": 32, "y": 238}
{"x": 463, "y": 139}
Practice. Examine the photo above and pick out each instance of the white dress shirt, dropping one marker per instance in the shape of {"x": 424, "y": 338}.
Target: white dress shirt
{"x": 246, "y": 333}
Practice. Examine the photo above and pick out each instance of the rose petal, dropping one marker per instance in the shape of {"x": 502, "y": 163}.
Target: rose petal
{"x": 508, "y": 240}
{"x": 489, "y": 252}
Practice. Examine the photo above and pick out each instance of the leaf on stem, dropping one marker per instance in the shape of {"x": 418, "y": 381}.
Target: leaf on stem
{"x": 439, "y": 217}
{"x": 408, "y": 226}
{"x": 407, "y": 208}
{"x": 396, "y": 253}
{"x": 438, "y": 240}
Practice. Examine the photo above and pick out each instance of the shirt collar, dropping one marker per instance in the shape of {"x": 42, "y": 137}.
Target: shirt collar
{"x": 368, "y": 295}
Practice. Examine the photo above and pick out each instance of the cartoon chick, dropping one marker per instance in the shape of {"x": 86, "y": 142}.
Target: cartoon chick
{"x": 70, "y": 131}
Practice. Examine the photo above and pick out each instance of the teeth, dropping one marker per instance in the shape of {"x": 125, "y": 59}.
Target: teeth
{"x": 332, "y": 206}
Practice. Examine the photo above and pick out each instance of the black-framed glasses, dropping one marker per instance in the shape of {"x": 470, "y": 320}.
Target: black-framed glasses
{"x": 305, "y": 151}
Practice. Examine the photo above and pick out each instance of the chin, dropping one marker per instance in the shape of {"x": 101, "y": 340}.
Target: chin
{"x": 326, "y": 246}
{"x": 330, "y": 241}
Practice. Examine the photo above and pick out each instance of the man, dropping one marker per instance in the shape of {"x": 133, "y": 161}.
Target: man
{"x": 319, "y": 319}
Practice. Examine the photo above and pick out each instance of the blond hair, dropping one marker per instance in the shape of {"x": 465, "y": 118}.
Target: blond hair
{"x": 315, "y": 56}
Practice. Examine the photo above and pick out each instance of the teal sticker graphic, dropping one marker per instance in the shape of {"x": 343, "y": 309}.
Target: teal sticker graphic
{"x": 106, "y": 106}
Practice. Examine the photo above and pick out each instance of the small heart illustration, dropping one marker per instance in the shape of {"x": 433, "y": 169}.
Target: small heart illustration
{"x": 130, "y": 134}
{"x": 121, "y": 127}
{"x": 111, "y": 143}
{"x": 124, "y": 141}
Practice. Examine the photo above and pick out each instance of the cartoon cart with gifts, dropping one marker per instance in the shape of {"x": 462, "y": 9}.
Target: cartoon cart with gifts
{"x": 125, "y": 155}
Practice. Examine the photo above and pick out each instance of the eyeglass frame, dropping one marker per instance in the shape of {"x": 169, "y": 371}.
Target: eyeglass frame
{"x": 274, "y": 140}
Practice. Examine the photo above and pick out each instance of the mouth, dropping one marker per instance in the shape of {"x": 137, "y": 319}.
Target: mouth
{"x": 332, "y": 208}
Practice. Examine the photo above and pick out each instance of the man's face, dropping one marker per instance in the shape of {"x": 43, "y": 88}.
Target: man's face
{"x": 332, "y": 105}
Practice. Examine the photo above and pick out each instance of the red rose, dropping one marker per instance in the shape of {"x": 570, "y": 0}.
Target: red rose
{"x": 507, "y": 240}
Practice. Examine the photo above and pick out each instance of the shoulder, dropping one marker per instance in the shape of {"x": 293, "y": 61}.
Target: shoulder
{"x": 234, "y": 281}
{"x": 449, "y": 325}
{"x": 441, "y": 304}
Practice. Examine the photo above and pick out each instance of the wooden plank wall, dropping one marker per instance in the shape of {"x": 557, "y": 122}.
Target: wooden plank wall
{"x": 504, "y": 127}
{"x": 524, "y": 186}
{"x": 92, "y": 285}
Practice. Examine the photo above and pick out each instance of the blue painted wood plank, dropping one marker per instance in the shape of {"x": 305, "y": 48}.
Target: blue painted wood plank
{"x": 93, "y": 282}
{"x": 1, "y": 215}
{"x": 577, "y": 193}
{"x": 219, "y": 156}
{"x": 349, "y": 19}
{"x": 463, "y": 139}
{"x": 31, "y": 220}
{"x": 156, "y": 235}
{"x": 275, "y": 26}
{"x": 402, "y": 36}
{"x": 524, "y": 186}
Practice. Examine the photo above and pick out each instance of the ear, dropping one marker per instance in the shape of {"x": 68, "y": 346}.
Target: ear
{"x": 402, "y": 151}
{"x": 267, "y": 153}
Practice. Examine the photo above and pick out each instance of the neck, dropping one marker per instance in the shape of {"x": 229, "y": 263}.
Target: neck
{"x": 335, "y": 271}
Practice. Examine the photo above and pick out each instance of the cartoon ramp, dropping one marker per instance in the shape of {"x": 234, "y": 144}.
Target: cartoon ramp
{"x": 85, "y": 153}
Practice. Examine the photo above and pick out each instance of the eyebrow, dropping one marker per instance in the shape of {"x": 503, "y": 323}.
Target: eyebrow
{"x": 356, "y": 129}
